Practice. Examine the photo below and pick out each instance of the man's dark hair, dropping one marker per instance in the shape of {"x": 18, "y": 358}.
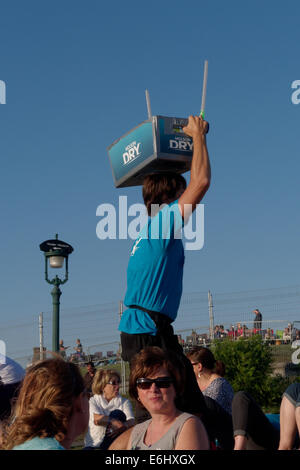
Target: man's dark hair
{"x": 161, "y": 188}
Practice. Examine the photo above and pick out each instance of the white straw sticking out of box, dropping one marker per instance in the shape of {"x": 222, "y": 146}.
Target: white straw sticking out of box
{"x": 204, "y": 89}
{"x": 148, "y": 104}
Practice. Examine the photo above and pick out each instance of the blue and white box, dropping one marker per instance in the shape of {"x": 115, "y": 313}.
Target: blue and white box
{"x": 154, "y": 146}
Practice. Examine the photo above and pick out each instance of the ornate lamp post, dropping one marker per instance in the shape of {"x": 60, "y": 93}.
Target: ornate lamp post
{"x": 56, "y": 251}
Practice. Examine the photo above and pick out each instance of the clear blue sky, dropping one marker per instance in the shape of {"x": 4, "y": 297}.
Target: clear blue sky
{"x": 76, "y": 74}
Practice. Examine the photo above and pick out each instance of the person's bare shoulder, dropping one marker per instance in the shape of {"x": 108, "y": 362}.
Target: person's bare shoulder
{"x": 193, "y": 436}
{"x": 122, "y": 442}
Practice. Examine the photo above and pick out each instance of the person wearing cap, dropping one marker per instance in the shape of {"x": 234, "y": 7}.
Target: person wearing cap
{"x": 257, "y": 320}
{"x": 11, "y": 376}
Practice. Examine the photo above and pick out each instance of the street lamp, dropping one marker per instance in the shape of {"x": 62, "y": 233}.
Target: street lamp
{"x": 56, "y": 251}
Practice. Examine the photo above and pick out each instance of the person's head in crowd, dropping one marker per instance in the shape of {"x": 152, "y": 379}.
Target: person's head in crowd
{"x": 162, "y": 188}
{"x": 11, "y": 376}
{"x": 91, "y": 368}
{"x": 203, "y": 361}
{"x": 52, "y": 403}
{"x": 153, "y": 362}
{"x": 107, "y": 383}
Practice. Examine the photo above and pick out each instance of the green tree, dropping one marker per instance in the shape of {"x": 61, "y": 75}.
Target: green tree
{"x": 248, "y": 365}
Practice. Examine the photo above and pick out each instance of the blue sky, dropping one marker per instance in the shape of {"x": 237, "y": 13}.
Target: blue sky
{"x": 76, "y": 75}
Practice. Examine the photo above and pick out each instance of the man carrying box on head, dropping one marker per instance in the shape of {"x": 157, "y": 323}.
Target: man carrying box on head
{"x": 155, "y": 269}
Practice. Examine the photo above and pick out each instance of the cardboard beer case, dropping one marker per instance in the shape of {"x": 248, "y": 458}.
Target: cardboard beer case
{"x": 156, "y": 145}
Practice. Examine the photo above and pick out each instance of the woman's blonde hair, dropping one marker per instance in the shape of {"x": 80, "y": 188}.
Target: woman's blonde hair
{"x": 101, "y": 379}
{"x": 45, "y": 402}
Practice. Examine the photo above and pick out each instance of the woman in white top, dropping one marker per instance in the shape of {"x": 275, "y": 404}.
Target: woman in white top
{"x": 110, "y": 413}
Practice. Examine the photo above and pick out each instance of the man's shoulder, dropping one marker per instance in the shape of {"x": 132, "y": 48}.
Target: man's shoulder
{"x": 167, "y": 218}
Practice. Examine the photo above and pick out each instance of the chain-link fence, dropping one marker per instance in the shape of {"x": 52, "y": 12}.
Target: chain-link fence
{"x": 201, "y": 318}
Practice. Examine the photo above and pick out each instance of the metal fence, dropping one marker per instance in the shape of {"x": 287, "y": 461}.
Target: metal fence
{"x": 200, "y": 313}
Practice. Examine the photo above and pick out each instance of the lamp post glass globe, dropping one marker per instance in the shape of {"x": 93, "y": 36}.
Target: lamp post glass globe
{"x": 56, "y": 261}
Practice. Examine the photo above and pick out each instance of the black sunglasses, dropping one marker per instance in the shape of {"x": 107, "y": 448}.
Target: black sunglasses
{"x": 160, "y": 382}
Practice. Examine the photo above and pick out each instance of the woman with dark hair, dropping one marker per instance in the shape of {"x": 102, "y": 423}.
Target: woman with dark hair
{"x": 217, "y": 394}
{"x": 157, "y": 382}
{"x": 210, "y": 377}
{"x": 52, "y": 408}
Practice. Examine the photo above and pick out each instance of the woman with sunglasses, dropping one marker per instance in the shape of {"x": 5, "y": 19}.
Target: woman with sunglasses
{"x": 110, "y": 413}
{"x": 210, "y": 377}
{"x": 157, "y": 382}
{"x": 218, "y": 395}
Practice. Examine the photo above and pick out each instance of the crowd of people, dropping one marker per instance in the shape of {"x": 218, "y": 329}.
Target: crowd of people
{"x": 181, "y": 402}
{"x": 50, "y": 405}
{"x": 239, "y": 330}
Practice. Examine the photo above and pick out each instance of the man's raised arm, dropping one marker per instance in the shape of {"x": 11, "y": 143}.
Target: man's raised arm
{"x": 200, "y": 168}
